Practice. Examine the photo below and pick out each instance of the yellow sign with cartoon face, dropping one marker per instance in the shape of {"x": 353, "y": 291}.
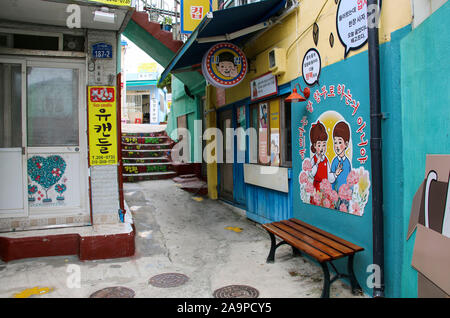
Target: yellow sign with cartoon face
{"x": 224, "y": 65}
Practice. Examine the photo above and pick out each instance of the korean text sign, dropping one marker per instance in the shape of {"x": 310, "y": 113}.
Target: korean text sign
{"x": 102, "y": 125}
{"x": 192, "y": 12}
{"x": 125, "y": 3}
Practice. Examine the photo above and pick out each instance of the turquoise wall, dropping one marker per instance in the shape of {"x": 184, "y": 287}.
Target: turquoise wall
{"x": 415, "y": 95}
{"x": 353, "y": 73}
{"x": 182, "y": 104}
{"x": 393, "y": 173}
{"x": 425, "y": 96}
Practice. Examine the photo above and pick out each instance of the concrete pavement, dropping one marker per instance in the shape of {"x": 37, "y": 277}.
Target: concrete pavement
{"x": 214, "y": 244}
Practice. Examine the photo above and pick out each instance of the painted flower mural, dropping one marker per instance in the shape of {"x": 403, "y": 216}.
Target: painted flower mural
{"x": 351, "y": 198}
{"x": 328, "y": 178}
{"x": 32, "y": 189}
{"x": 46, "y": 172}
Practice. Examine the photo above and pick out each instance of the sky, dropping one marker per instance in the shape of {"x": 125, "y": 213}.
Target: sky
{"x": 134, "y": 56}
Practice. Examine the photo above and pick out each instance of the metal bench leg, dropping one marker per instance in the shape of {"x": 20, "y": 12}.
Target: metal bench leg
{"x": 351, "y": 275}
{"x": 273, "y": 247}
{"x": 326, "y": 281}
{"x": 296, "y": 252}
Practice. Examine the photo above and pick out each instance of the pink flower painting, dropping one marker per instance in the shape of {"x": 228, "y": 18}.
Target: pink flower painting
{"x": 303, "y": 178}
{"x": 307, "y": 165}
{"x": 345, "y": 193}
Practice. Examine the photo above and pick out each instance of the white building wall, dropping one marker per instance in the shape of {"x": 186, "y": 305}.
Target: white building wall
{"x": 422, "y": 9}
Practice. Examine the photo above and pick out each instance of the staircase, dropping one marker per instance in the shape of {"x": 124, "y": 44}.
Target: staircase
{"x": 146, "y": 156}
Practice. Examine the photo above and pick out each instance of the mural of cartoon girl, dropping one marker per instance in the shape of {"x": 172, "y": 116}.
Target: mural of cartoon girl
{"x": 321, "y": 168}
{"x": 341, "y": 165}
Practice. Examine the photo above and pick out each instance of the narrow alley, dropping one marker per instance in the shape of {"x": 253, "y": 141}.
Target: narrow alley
{"x": 209, "y": 242}
{"x": 212, "y": 151}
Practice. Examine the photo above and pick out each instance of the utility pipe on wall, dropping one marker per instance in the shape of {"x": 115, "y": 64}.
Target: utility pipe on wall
{"x": 375, "y": 147}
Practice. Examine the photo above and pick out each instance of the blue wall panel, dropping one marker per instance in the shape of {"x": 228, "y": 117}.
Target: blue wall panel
{"x": 266, "y": 205}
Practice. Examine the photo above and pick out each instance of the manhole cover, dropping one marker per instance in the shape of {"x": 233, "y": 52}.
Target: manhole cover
{"x": 236, "y": 291}
{"x": 114, "y": 292}
{"x": 167, "y": 280}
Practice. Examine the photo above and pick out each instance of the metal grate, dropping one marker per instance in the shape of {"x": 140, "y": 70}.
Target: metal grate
{"x": 114, "y": 292}
{"x": 236, "y": 291}
{"x": 168, "y": 280}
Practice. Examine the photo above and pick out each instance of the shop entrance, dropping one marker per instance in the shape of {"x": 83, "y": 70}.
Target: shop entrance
{"x": 43, "y": 147}
{"x": 225, "y": 168}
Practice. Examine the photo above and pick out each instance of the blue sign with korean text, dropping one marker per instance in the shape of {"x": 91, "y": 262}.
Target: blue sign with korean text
{"x": 102, "y": 51}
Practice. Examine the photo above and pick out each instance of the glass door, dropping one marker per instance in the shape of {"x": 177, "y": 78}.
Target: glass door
{"x": 56, "y": 139}
{"x": 12, "y": 139}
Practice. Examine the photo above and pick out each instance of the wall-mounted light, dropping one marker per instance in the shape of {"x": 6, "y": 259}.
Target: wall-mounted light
{"x": 296, "y": 97}
{"x": 103, "y": 15}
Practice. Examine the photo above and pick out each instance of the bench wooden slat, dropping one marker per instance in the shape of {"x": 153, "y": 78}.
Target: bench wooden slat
{"x": 322, "y": 238}
{"x": 302, "y": 246}
{"x": 354, "y": 247}
{"x": 309, "y": 240}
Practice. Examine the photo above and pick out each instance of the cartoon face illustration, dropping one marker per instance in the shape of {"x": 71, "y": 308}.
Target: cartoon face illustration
{"x": 226, "y": 65}
{"x": 320, "y": 147}
{"x": 341, "y": 138}
{"x": 340, "y": 145}
{"x": 318, "y": 136}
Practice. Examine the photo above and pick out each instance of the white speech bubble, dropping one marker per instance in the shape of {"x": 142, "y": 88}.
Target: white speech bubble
{"x": 351, "y": 23}
{"x": 311, "y": 67}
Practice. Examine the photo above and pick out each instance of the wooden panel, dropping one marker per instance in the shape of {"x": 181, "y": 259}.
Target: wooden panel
{"x": 302, "y": 246}
{"x": 319, "y": 237}
{"x": 354, "y": 247}
{"x": 309, "y": 240}
{"x": 275, "y": 178}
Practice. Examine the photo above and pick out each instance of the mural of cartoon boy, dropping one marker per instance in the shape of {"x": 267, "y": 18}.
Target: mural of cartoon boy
{"x": 341, "y": 165}
{"x": 226, "y": 64}
{"x": 321, "y": 168}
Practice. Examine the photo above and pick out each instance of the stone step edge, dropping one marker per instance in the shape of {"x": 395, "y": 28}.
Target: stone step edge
{"x": 145, "y": 150}
{"x": 136, "y": 144}
{"x": 148, "y": 158}
{"x": 145, "y": 135}
{"x": 147, "y": 164}
{"x": 148, "y": 174}
{"x": 155, "y": 137}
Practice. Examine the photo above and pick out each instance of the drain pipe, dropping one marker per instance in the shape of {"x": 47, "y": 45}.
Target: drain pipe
{"x": 375, "y": 147}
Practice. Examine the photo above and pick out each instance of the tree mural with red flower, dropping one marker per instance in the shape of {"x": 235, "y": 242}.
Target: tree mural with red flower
{"x": 46, "y": 172}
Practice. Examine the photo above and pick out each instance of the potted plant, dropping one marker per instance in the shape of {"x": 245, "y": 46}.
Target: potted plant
{"x": 167, "y": 24}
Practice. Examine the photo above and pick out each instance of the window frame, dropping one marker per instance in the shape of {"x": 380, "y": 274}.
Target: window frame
{"x": 284, "y": 133}
{"x": 283, "y": 130}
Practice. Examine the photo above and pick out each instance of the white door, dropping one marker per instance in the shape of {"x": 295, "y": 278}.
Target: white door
{"x": 12, "y": 139}
{"x": 54, "y": 143}
{"x": 56, "y": 138}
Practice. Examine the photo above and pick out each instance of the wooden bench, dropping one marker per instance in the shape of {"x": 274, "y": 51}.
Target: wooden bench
{"x": 320, "y": 245}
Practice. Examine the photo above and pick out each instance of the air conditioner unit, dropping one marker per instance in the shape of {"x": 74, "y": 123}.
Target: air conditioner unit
{"x": 277, "y": 61}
